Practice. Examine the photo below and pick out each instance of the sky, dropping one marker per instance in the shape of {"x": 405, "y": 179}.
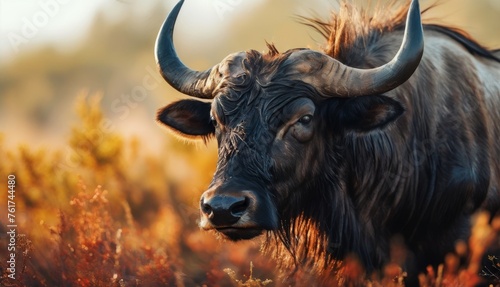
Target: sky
{"x": 25, "y": 24}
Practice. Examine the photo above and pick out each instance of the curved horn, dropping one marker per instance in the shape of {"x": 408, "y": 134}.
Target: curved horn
{"x": 180, "y": 77}
{"x": 331, "y": 77}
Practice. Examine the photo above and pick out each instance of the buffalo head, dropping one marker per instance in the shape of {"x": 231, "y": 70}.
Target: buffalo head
{"x": 275, "y": 116}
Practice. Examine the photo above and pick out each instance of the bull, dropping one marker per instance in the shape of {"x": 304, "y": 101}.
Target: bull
{"x": 336, "y": 152}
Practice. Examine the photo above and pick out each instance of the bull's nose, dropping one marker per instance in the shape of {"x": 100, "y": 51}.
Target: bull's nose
{"x": 224, "y": 210}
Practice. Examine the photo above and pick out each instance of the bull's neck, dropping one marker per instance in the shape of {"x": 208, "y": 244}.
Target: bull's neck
{"x": 328, "y": 208}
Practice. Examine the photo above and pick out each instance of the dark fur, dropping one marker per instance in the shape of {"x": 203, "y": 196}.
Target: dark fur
{"x": 415, "y": 162}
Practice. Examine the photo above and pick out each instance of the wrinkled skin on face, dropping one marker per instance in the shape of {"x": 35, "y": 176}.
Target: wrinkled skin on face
{"x": 272, "y": 134}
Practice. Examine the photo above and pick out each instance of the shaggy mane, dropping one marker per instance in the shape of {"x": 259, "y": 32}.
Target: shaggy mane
{"x": 352, "y": 29}
{"x": 352, "y": 24}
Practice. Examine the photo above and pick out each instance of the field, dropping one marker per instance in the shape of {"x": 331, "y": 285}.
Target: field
{"x": 95, "y": 193}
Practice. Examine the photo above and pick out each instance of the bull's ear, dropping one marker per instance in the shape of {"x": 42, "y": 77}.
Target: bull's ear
{"x": 366, "y": 113}
{"x": 188, "y": 118}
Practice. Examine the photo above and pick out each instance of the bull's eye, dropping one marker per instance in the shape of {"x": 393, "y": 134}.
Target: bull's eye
{"x": 213, "y": 120}
{"x": 305, "y": 119}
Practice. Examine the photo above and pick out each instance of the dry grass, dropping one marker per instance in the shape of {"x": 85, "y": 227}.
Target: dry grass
{"x": 250, "y": 281}
{"x": 106, "y": 214}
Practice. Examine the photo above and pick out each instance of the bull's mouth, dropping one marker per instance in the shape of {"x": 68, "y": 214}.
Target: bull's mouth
{"x": 236, "y": 234}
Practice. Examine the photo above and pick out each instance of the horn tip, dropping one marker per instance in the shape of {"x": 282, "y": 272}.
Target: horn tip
{"x": 168, "y": 25}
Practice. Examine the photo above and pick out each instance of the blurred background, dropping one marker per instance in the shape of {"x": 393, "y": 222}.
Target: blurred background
{"x": 79, "y": 90}
{"x": 51, "y": 50}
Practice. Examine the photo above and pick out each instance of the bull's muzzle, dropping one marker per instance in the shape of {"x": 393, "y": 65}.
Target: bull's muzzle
{"x": 235, "y": 212}
{"x": 223, "y": 210}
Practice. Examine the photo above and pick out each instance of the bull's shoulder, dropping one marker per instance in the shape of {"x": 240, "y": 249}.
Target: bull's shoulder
{"x": 465, "y": 40}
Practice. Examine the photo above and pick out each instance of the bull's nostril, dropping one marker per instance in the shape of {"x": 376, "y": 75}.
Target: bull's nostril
{"x": 238, "y": 208}
{"x": 206, "y": 208}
